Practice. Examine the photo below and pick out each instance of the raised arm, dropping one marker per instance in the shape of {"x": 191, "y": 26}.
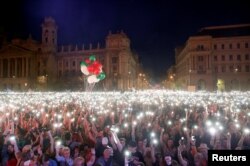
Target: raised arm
{"x": 180, "y": 158}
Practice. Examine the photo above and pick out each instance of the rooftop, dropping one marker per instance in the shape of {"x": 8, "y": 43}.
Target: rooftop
{"x": 225, "y": 31}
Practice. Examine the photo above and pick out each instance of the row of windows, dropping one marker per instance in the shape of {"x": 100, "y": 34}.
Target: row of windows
{"x": 231, "y": 57}
{"x": 67, "y": 63}
{"x": 230, "y": 46}
{"x": 231, "y": 68}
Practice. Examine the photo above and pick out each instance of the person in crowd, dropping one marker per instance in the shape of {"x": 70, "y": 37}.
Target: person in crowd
{"x": 119, "y": 132}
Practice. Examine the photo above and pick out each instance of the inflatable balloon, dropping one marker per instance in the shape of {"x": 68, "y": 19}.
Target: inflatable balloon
{"x": 92, "y": 69}
{"x": 84, "y": 70}
{"x": 101, "y": 76}
{"x": 92, "y": 79}
{"x": 92, "y": 58}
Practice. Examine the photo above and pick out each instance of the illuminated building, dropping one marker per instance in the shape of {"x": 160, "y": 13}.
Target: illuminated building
{"x": 44, "y": 65}
{"x": 220, "y": 53}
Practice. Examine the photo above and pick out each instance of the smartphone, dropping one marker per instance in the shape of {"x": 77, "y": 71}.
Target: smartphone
{"x": 12, "y": 138}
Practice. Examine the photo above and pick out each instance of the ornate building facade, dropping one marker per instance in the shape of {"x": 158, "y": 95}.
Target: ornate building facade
{"x": 29, "y": 64}
{"x": 213, "y": 55}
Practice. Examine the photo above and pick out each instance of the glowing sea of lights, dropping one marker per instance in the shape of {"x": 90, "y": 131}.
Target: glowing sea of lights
{"x": 145, "y": 104}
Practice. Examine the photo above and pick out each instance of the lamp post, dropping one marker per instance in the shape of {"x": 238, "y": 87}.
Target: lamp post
{"x": 237, "y": 82}
{"x": 46, "y": 77}
{"x": 171, "y": 82}
{"x": 129, "y": 73}
{"x": 139, "y": 80}
{"x": 189, "y": 80}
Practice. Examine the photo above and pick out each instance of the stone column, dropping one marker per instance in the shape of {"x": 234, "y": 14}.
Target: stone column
{"x": 15, "y": 67}
{"x": 23, "y": 59}
{"x": 8, "y": 73}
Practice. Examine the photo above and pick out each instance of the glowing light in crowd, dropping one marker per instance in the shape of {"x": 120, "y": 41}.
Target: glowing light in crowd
{"x": 135, "y": 106}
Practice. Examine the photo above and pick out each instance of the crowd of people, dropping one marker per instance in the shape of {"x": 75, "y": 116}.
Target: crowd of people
{"x": 139, "y": 128}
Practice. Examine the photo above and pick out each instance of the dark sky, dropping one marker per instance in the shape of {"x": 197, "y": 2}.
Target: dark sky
{"x": 155, "y": 27}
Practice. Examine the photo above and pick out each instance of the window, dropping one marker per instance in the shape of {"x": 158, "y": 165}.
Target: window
{"x": 231, "y": 57}
{"x": 200, "y": 47}
{"x": 73, "y": 63}
{"x": 238, "y": 45}
{"x": 200, "y": 58}
{"x": 247, "y": 56}
{"x": 223, "y": 69}
{"x": 238, "y": 57}
{"x": 67, "y": 64}
{"x": 246, "y": 45}
{"x": 247, "y": 68}
{"x": 46, "y": 40}
{"x": 230, "y": 46}
{"x": 215, "y": 47}
{"x": 114, "y": 60}
{"x": 222, "y": 46}
{"x": 223, "y": 57}
{"x": 215, "y": 58}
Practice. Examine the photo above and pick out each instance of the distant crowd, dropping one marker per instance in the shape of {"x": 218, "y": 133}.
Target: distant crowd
{"x": 114, "y": 129}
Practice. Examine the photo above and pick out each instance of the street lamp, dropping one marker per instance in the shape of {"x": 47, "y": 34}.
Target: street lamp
{"x": 189, "y": 80}
{"x": 46, "y": 77}
{"x": 139, "y": 80}
{"x": 237, "y": 82}
{"x": 129, "y": 73}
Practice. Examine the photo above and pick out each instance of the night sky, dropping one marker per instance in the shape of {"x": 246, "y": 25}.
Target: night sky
{"x": 155, "y": 27}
